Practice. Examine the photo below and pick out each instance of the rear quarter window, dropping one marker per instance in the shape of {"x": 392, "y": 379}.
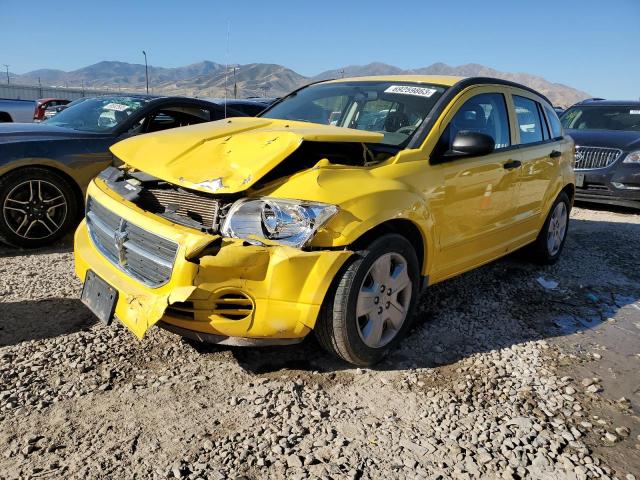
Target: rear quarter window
{"x": 554, "y": 122}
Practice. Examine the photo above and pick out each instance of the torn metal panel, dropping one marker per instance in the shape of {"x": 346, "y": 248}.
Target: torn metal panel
{"x": 139, "y": 312}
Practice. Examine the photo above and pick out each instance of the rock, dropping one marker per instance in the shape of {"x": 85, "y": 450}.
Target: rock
{"x": 177, "y": 472}
{"x": 610, "y": 437}
{"x": 623, "y": 431}
{"x": 594, "y": 388}
{"x": 294, "y": 461}
{"x": 483, "y": 456}
{"x": 587, "y": 382}
{"x": 28, "y": 449}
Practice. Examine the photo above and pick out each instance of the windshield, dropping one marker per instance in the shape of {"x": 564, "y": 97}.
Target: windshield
{"x": 395, "y": 109}
{"x": 101, "y": 114}
{"x": 603, "y": 117}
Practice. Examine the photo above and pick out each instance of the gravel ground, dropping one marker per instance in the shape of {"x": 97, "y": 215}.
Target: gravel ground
{"x": 501, "y": 378}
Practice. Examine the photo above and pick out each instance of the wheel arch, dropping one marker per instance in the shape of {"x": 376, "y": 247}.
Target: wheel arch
{"x": 401, "y": 226}
{"x": 570, "y": 190}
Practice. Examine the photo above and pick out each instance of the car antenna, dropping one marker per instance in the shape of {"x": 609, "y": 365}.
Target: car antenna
{"x": 226, "y": 68}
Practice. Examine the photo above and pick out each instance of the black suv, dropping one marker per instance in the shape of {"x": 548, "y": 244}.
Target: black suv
{"x": 607, "y": 136}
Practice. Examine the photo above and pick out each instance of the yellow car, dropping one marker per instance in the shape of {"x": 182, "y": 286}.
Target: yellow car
{"x": 330, "y": 212}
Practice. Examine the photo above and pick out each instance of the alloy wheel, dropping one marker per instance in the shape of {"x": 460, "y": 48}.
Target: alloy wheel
{"x": 557, "y": 228}
{"x": 35, "y": 209}
{"x": 383, "y": 300}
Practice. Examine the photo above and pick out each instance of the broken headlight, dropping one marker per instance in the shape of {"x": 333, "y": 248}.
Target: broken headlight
{"x": 266, "y": 220}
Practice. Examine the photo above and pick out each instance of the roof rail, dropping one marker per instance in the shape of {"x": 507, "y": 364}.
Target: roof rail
{"x": 589, "y": 100}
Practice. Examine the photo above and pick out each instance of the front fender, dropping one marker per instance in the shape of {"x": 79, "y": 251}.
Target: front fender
{"x": 367, "y": 198}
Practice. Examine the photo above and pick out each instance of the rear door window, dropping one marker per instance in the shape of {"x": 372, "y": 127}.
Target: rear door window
{"x": 529, "y": 121}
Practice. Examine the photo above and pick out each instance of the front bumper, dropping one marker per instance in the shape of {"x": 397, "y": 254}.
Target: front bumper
{"x": 618, "y": 184}
{"x": 283, "y": 287}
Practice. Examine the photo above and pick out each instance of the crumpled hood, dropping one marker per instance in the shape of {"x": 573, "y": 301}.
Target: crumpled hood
{"x": 227, "y": 156}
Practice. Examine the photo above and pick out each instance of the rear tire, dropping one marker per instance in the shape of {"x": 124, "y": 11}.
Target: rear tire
{"x": 371, "y": 304}
{"x": 548, "y": 246}
{"x": 37, "y": 207}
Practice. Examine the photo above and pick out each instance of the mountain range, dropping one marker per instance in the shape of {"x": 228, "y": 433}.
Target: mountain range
{"x": 208, "y": 79}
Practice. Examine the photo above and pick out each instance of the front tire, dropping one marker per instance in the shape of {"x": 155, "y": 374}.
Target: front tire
{"x": 37, "y": 207}
{"x": 548, "y": 246}
{"x": 371, "y": 303}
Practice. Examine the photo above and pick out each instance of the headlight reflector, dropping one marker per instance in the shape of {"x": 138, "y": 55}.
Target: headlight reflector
{"x": 288, "y": 222}
{"x": 633, "y": 157}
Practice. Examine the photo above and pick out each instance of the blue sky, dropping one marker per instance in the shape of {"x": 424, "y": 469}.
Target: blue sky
{"x": 588, "y": 44}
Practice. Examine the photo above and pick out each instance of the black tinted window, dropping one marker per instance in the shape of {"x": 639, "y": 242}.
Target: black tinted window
{"x": 604, "y": 117}
{"x": 251, "y": 110}
{"x": 485, "y": 113}
{"x": 529, "y": 121}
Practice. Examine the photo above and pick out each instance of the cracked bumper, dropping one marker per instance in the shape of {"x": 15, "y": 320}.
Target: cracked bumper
{"x": 285, "y": 287}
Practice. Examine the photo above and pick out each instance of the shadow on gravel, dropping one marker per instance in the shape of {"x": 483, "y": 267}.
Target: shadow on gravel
{"x": 601, "y": 207}
{"x": 496, "y": 306}
{"x": 62, "y": 246}
{"x": 40, "y": 319}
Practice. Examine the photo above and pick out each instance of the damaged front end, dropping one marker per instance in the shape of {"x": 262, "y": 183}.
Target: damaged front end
{"x": 218, "y": 287}
{"x": 234, "y": 263}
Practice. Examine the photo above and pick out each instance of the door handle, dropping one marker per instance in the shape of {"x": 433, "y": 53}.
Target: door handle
{"x": 511, "y": 164}
{"x": 555, "y": 154}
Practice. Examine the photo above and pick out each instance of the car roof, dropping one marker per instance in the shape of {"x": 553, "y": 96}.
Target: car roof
{"x": 447, "y": 80}
{"x": 152, "y": 98}
{"x": 608, "y": 103}
{"x": 239, "y": 101}
{"x": 459, "y": 83}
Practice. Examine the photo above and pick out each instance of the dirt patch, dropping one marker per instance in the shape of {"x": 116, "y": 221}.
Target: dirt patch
{"x": 491, "y": 382}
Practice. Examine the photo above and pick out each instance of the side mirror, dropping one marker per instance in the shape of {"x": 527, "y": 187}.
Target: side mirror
{"x": 470, "y": 144}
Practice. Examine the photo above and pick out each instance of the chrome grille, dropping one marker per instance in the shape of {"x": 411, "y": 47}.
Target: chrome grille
{"x": 143, "y": 255}
{"x": 588, "y": 158}
{"x": 187, "y": 206}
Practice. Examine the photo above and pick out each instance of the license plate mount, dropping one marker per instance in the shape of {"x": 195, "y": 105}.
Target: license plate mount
{"x": 99, "y": 297}
{"x": 579, "y": 180}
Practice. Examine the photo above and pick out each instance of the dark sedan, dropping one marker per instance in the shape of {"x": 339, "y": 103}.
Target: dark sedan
{"x": 45, "y": 168}
{"x": 248, "y": 106}
{"x": 607, "y": 136}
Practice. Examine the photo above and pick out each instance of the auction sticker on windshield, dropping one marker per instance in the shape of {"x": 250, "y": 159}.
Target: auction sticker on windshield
{"x": 634, "y": 112}
{"x": 118, "y": 107}
{"x": 409, "y": 90}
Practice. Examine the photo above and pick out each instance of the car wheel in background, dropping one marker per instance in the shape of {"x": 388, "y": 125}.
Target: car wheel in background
{"x": 551, "y": 239}
{"x": 37, "y": 207}
{"x": 370, "y": 305}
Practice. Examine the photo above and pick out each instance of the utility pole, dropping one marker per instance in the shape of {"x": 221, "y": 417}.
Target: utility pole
{"x": 235, "y": 84}
{"x": 40, "y": 86}
{"x": 146, "y": 70}
{"x": 7, "y": 67}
